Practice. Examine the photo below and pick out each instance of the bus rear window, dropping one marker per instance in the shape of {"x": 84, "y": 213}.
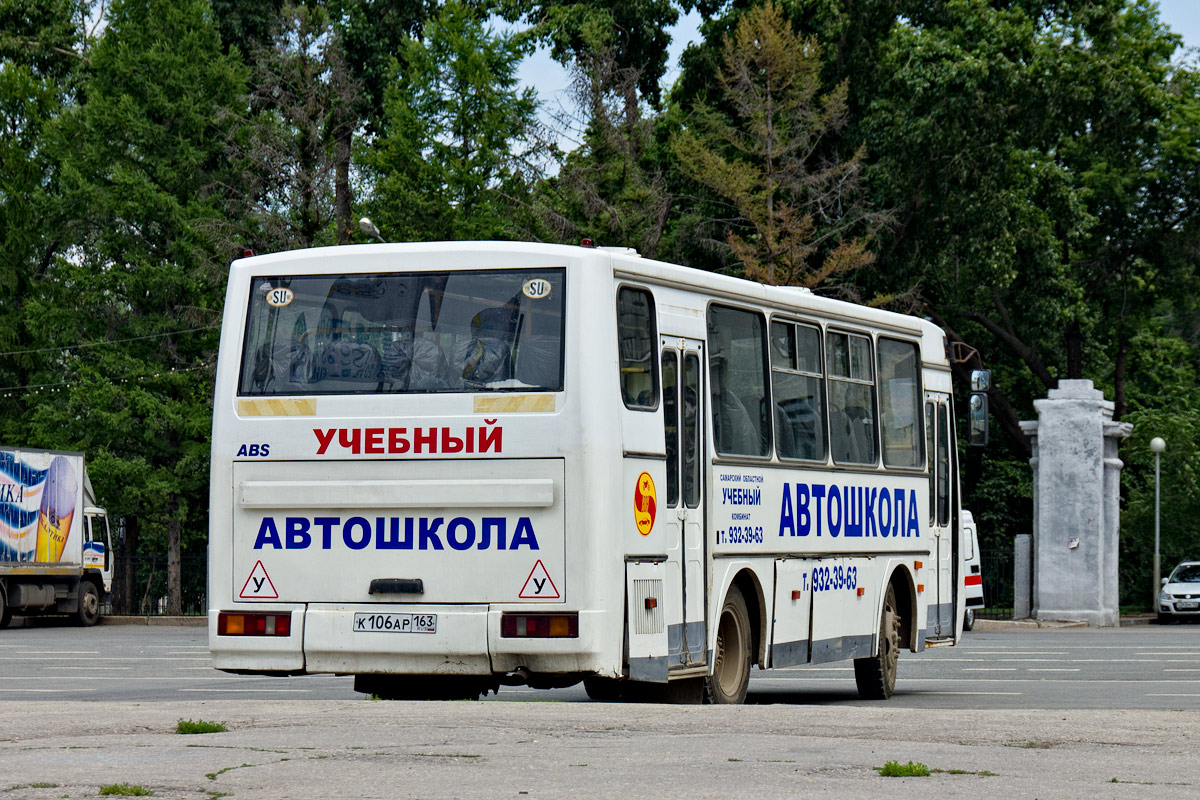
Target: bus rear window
{"x": 413, "y": 332}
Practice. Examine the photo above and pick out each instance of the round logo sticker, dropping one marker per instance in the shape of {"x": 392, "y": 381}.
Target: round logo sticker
{"x": 280, "y": 297}
{"x": 645, "y": 503}
{"x": 536, "y": 288}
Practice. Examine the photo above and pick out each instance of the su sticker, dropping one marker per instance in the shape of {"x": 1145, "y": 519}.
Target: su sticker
{"x": 645, "y": 503}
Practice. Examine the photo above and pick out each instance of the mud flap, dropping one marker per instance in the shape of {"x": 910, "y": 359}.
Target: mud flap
{"x": 645, "y": 621}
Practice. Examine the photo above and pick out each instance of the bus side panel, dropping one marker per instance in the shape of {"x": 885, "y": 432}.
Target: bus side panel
{"x": 792, "y": 615}
{"x": 844, "y": 622}
{"x": 647, "y": 624}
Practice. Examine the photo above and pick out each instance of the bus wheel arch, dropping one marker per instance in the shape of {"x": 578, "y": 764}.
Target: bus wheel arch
{"x": 905, "y": 589}
{"x": 738, "y": 639}
{"x": 747, "y": 583}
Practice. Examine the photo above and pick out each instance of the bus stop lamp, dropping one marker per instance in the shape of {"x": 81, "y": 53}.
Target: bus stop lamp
{"x": 1157, "y": 445}
{"x": 366, "y": 226}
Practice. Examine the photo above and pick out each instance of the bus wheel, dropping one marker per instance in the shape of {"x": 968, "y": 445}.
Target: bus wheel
{"x": 89, "y": 604}
{"x": 604, "y": 690}
{"x": 876, "y": 676}
{"x": 731, "y": 659}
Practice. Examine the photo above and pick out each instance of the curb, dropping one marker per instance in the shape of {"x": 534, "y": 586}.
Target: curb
{"x": 1042, "y": 624}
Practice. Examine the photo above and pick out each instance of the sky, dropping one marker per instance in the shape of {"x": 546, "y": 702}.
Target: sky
{"x": 540, "y": 72}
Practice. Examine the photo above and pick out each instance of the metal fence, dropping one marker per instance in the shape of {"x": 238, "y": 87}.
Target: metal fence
{"x": 140, "y": 586}
{"x": 997, "y": 566}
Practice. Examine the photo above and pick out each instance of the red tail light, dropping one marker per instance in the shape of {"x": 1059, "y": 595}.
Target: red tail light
{"x": 539, "y": 626}
{"x": 255, "y": 624}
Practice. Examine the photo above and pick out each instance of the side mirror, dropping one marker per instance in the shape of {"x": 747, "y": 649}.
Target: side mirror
{"x": 1165, "y": 580}
{"x": 981, "y": 380}
{"x": 977, "y": 420}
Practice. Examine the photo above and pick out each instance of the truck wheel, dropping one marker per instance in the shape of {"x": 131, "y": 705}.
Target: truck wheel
{"x": 89, "y": 604}
{"x": 876, "y": 676}
{"x": 731, "y": 659}
{"x": 969, "y": 619}
{"x": 5, "y": 611}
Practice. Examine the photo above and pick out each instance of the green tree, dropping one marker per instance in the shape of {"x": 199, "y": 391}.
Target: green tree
{"x": 612, "y": 188}
{"x": 799, "y": 217}
{"x": 458, "y": 133}
{"x": 134, "y": 302}
{"x": 42, "y": 48}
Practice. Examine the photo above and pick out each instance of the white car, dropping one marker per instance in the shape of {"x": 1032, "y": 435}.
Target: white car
{"x": 1180, "y": 595}
{"x": 972, "y": 575}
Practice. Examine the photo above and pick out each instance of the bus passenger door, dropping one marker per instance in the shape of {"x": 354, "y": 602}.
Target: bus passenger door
{"x": 683, "y": 399}
{"x": 940, "y": 449}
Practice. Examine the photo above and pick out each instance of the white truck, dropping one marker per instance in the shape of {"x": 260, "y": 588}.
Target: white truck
{"x": 55, "y": 547}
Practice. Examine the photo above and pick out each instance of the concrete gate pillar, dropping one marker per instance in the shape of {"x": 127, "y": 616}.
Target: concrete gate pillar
{"x": 1076, "y": 513}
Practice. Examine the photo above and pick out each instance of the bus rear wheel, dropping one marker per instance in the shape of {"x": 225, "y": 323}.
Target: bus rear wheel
{"x": 731, "y": 659}
{"x": 876, "y": 676}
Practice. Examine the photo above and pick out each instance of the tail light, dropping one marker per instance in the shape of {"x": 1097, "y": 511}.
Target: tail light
{"x": 539, "y": 626}
{"x": 255, "y": 624}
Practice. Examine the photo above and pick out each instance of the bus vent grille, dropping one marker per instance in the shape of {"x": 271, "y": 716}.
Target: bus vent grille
{"x": 647, "y": 617}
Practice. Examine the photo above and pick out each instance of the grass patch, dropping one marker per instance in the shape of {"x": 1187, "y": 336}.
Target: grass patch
{"x": 1032, "y": 745}
{"x": 212, "y": 776}
{"x": 200, "y": 726}
{"x": 894, "y": 769}
{"x": 125, "y": 790}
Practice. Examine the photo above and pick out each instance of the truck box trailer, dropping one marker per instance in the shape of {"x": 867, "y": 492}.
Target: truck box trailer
{"x": 55, "y": 545}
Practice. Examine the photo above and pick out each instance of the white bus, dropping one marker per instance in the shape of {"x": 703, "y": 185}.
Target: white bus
{"x": 442, "y": 468}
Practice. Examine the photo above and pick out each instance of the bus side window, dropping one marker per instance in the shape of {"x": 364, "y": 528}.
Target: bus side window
{"x": 797, "y": 391}
{"x": 900, "y": 403}
{"x": 851, "y": 399}
{"x": 636, "y": 338}
{"x": 738, "y": 381}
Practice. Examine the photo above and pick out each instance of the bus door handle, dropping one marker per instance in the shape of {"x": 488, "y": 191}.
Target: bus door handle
{"x": 681, "y": 513}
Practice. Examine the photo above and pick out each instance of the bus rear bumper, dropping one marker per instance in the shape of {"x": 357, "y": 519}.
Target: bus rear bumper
{"x": 399, "y": 639}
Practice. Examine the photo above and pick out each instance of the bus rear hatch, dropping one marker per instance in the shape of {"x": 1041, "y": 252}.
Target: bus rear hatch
{"x": 477, "y": 531}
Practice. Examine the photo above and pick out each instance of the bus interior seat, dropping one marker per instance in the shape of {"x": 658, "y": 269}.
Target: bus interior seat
{"x": 852, "y": 430}
{"x": 417, "y": 365}
{"x": 345, "y": 360}
{"x": 736, "y": 432}
{"x": 538, "y": 361}
{"x": 785, "y": 435}
{"x": 282, "y": 366}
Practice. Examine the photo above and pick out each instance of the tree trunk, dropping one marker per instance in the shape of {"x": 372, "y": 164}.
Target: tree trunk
{"x": 125, "y": 577}
{"x": 1074, "y": 341}
{"x": 343, "y": 197}
{"x": 174, "y": 545}
{"x": 1119, "y": 403}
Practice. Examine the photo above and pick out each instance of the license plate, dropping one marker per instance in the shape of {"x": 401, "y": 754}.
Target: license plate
{"x": 1188, "y": 606}
{"x": 395, "y": 623}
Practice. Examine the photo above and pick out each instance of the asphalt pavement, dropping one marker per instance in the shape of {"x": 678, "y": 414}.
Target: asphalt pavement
{"x": 1012, "y": 712}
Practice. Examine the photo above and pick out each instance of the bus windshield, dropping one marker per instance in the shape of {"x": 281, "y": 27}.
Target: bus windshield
{"x": 407, "y": 332}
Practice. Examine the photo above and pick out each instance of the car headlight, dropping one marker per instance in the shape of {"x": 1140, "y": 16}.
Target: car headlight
{"x": 1163, "y": 597}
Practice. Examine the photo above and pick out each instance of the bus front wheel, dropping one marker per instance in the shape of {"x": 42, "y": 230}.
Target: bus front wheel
{"x": 731, "y": 658}
{"x": 876, "y": 676}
